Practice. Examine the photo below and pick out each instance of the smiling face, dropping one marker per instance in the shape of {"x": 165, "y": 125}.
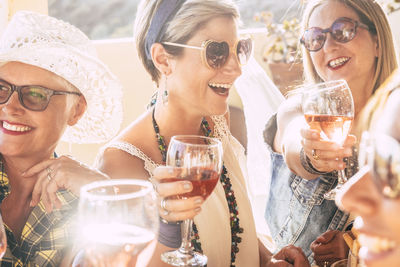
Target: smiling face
{"x": 192, "y": 84}
{"x": 354, "y": 61}
{"x": 25, "y": 133}
{"x": 378, "y": 221}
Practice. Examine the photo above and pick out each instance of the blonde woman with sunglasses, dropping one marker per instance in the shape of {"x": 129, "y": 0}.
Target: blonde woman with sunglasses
{"x": 341, "y": 39}
{"x": 193, "y": 53}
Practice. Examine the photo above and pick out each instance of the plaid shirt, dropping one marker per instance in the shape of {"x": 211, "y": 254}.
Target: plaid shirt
{"x": 45, "y": 237}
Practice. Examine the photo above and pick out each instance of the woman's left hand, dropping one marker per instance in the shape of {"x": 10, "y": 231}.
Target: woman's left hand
{"x": 329, "y": 247}
{"x": 60, "y": 173}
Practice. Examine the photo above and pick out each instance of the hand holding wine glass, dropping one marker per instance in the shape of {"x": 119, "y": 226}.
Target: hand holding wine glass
{"x": 329, "y": 109}
{"x": 117, "y": 219}
{"x": 197, "y": 159}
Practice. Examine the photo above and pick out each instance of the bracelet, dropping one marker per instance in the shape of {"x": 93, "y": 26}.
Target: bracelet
{"x": 169, "y": 234}
{"x": 306, "y": 163}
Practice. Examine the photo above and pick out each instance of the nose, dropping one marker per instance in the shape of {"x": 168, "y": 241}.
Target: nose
{"x": 232, "y": 66}
{"x": 359, "y": 195}
{"x": 13, "y": 105}
{"x": 330, "y": 43}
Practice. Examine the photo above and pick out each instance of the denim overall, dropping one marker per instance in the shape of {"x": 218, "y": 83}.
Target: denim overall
{"x": 297, "y": 212}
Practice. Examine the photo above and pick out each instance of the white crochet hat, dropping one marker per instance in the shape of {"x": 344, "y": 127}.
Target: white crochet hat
{"x": 61, "y": 48}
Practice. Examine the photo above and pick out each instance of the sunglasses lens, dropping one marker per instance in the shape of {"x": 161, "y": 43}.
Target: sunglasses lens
{"x": 35, "y": 98}
{"x": 313, "y": 39}
{"x": 217, "y": 54}
{"x": 243, "y": 50}
{"x": 343, "y": 30}
{"x": 5, "y": 91}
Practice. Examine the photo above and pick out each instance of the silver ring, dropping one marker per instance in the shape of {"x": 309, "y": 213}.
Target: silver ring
{"x": 164, "y": 208}
{"x": 163, "y": 204}
{"x": 326, "y": 263}
{"x": 315, "y": 156}
{"x": 49, "y": 171}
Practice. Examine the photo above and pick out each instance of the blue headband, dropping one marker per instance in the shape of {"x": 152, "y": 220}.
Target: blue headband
{"x": 165, "y": 12}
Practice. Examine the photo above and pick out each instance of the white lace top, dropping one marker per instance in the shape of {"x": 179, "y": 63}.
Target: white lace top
{"x": 213, "y": 222}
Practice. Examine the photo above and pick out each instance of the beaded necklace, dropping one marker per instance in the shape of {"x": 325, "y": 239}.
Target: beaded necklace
{"x": 229, "y": 194}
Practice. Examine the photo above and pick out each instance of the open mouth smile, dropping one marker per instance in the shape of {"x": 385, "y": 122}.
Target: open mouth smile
{"x": 220, "y": 88}
{"x": 338, "y": 62}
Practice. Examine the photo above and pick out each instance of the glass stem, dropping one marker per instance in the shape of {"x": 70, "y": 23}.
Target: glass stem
{"x": 186, "y": 230}
{"x": 341, "y": 177}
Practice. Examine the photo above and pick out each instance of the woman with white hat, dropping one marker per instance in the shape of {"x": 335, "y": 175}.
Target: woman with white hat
{"x": 52, "y": 87}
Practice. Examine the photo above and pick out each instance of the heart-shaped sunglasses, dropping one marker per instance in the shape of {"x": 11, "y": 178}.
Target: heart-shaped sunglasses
{"x": 215, "y": 54}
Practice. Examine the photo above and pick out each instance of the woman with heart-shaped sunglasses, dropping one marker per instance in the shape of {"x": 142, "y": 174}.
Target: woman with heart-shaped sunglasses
{"x": 341, "y": 39}
{"x": 194, "y": 54}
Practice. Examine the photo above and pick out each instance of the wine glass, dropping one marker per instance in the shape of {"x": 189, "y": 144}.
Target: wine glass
{"x": 381, "y": 153}
{"x": 117, "y": 220}
{"x": 328, "y": 107}
{"x": 3, "y": 239}
{"x": 199, "y": 160}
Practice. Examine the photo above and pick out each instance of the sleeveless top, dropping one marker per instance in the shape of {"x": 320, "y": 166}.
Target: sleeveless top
{"x": 213, "y": 222}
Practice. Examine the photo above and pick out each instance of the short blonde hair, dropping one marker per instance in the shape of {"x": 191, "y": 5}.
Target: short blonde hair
{"x": 192, "y": 16}
{"x": 371, "y": 14}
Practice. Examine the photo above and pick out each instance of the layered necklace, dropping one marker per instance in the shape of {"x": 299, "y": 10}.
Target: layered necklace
{"x": 229, "y": 194}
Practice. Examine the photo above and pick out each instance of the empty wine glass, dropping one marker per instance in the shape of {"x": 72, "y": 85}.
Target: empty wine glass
{"x": 328, "y": 107}
{"x": 3, "y": 239}
{"x": 199, "y": 159}
{"x": 117, "y": 220}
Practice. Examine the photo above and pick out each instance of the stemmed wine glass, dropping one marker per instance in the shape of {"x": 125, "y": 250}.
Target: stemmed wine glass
{"x": 199, "y": 160}
{"x": 3, "y": 239}
{"x": 381, "y": 153}
{"x": 117, "y": 220}
{"x": 328, "y": 107}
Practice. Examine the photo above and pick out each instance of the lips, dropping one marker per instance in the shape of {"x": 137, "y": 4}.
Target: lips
{"x": 375, "y": 248}
{"x": 338, "y": 62}
{"x": 220, "y": 88}
{"x": 14, "y": 127}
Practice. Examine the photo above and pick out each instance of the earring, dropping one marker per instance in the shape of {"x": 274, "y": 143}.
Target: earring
{"x": 165, "y": 93}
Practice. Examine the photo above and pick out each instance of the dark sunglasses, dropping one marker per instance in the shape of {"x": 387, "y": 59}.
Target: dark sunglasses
{"x": 215, "y": 54}
{"x": 342, "y": 30}
{"x": 382, "y": 153}
{"x": 32, "y": 97}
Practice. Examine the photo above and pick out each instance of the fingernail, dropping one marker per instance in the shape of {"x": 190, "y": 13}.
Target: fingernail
{"x": 341, "y": 165}
{"x": 31, "y": 203}
{"x": 198, "y": 200}
{"x": 23, "y": 174}
{"x": 197, "y": 210}
{"x": 187, "y": 185}
{"x": 315, "y": 135}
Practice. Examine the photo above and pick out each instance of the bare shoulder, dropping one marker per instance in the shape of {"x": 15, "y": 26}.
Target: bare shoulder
{"x": 118, "y": 163}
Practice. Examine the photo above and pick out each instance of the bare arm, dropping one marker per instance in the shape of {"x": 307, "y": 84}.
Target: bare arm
{"x": 290, "y": 120}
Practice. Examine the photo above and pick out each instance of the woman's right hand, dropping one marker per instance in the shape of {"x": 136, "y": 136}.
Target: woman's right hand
{"x": 170, "y": 207}
{"x": 325, "y": 156}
